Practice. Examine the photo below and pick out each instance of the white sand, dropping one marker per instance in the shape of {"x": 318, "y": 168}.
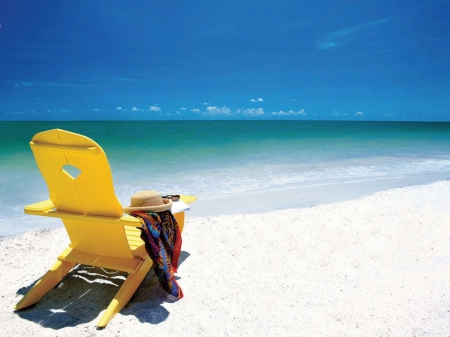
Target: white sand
{"x": 375, "y": 266}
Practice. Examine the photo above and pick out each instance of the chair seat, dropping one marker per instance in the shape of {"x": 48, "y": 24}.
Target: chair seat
{"x": 122, "y": 264}
{"x": 137, "y": 246}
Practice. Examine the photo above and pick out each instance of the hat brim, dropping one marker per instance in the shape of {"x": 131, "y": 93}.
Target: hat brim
{"x": 160, "y": 208}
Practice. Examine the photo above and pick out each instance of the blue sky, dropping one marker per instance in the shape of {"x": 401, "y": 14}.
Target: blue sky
{"x": 349, "y": 60}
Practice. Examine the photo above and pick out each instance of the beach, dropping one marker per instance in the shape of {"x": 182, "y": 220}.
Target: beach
{"x": 376, "y": 265}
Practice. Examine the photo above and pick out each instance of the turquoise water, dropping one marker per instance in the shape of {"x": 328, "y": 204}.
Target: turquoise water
{"x": 216, "y": 158}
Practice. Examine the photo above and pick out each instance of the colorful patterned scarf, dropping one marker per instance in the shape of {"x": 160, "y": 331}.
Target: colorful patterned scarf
{"x": 162, "y": 238}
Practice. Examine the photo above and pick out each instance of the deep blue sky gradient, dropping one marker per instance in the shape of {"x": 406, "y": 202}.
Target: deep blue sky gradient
{"x": 349, "y": 60}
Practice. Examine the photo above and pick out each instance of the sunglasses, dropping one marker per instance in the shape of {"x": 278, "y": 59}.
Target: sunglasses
{"x": 174, "y": 197}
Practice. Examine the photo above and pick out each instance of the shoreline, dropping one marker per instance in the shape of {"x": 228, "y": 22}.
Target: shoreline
{"x": 302, "y": 197}
{"x": 272, "y": 199}
{"x": 375, "y": 265}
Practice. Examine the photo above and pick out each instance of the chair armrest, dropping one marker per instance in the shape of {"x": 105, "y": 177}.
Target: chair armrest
{"x": 39, "y": 207}
{"x": 46, "y": 208}
{"x": 188, "y": 198}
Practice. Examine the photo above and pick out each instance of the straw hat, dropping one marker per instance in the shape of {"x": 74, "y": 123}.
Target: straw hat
{"x": 149, "y": 201}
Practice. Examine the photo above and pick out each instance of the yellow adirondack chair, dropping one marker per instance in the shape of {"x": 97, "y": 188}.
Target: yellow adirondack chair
{"x": 99, "y": 234}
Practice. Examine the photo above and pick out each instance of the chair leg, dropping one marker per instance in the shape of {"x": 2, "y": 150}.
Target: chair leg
{"x": 125, "y": 293}
{"x": 45, "y": 284}
{"x": 180, "y": 220}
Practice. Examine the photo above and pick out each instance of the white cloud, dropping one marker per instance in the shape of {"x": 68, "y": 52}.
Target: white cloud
{"x": 135, "y": 109}
{"x": 119, "y": 108}
{"x": 346, "y": 36}
{"x": 216, "y": 111}
{"x": 175, "y": 113}
{"x": 206, "y": 103}
{"x": 253, "y": 112}
{"x": 154, "y": 108}
{"x": 23, "y": 84}
{"x": 195, "y": 110}
{"x": 338, "y": 114}
{"x": 257, "y": 100}
{"x": 183, "y": 108}
{"x": 289, "y": 113}
{"x": 359, "y": 113}
{"x": 125, "y": 79}
{"x": 50, "y": 84}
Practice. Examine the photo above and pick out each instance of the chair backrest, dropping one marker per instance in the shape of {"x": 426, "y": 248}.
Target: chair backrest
{"x": 57, "y": 153}
{"x": 88, "y": 192}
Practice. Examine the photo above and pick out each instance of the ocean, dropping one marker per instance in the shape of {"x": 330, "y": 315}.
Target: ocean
{"x": 215, "y": 159}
